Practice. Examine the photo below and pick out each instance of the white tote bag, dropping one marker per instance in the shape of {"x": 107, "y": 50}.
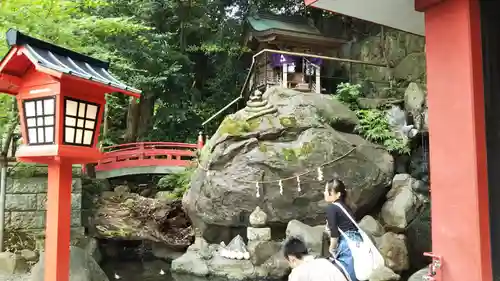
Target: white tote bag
{"x": 366, "y": 256}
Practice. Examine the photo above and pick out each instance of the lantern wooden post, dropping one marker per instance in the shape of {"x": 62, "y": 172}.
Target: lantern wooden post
{"x": 60, "y": 95}
{"x": 57, "y": 242}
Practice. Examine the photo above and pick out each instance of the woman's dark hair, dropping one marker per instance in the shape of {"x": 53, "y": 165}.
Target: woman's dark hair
{"x": 337, "y": 185}
{"x": 294, "y": 247}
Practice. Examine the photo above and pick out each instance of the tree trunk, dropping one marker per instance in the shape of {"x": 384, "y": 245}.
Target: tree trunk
{"x": 133, "y": 116}
{"x": 90, "y": 170}
{"x": 105, "y": 123}
{"x": 9, "y": 134}
{"x": 146, "y": 115}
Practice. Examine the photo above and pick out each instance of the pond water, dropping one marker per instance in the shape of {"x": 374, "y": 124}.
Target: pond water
{"x": 149, "y": 270}
{"x": 153, "y": 270}
{"x": 134, "y": 261}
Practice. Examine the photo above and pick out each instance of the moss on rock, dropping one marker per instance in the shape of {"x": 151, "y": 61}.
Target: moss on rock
{"x": 294, "y": 154}
{"x": 263, "y": 147}
{"x": 235, "y": 127}
{"x": 288, "y": 121}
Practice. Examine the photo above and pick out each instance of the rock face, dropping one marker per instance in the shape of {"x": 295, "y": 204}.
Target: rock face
{"x": 306, "y": 131}
{"x": 371, "y": 227}
{"x": 393, "y": 248}
{"x": 312, "y": 236}
{"x": 403, "y": 52}
{"x": 82, "y": 268}
{"x": 419, "y": 238}
{"x": 402, "y": 203}
{"x": 124, "y": 215}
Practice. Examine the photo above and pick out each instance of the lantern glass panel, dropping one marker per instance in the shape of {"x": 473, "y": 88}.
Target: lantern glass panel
{"x": 80, "y": 120}
{"x": 39, "y": 116}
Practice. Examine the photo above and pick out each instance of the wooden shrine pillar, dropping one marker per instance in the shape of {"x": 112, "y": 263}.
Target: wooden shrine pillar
{"x": 458, "y": 159}
{"x": 318, "y": 78}
{"x": 284, "y": 69}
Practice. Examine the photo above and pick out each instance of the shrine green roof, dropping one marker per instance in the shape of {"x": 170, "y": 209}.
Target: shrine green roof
{"x": 266, "y": 22}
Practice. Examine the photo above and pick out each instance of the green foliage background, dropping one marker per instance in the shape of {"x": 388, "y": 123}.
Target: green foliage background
{"x": 186, "y": 56}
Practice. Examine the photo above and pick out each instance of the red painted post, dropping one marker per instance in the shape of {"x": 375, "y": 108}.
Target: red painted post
{"x": 58, "y": 224}
{"x": 200, "y": 141}
{"x": 458, "y": 164}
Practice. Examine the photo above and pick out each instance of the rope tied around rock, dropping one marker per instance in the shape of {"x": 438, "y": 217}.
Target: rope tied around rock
{"x": 296, "y": 176}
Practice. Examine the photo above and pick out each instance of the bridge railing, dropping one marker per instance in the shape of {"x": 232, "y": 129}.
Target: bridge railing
{"x": 146, "y": 154}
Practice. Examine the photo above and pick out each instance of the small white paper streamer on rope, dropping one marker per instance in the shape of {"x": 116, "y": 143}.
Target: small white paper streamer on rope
{"x": 281, "y": 186}
{"x": 257, "y": 186}
{"x": 298, "y": 184}
{"x": 320, "y": 173}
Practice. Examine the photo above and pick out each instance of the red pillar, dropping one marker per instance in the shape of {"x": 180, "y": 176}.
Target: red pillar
{"x": 460, "y": 218}
{"x": 200, "y": 142}
{"x": 57, "y": 240}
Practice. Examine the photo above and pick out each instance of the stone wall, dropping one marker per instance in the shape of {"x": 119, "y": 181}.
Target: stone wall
{"x": 26, "y": 199}
{"x": 404, "y": 53}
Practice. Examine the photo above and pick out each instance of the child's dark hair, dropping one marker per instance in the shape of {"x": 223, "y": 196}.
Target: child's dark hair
{"x": 337, "y": 185}
{"x": 294, "y": 247}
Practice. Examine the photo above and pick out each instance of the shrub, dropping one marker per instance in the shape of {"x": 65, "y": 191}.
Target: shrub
{"x": 177, "y": 183}
{"x": 373, "y": 124}
{"x": 349, "y": 94}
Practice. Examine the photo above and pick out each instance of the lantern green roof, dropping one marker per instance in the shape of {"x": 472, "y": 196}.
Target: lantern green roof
{"x": 268, "y": 22}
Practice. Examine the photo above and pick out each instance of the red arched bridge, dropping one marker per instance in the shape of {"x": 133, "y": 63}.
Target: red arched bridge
{"x": 145, "y": 158}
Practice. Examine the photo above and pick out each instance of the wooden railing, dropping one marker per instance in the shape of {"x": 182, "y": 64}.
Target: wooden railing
{"x": 143, "y": 154}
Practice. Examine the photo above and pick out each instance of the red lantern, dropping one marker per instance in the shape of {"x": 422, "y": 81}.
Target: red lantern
{"x": 60, "y": 96}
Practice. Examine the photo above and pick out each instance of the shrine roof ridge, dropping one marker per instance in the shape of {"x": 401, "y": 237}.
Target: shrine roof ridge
{"x": 17, "y": 38}
{"x": 66, "y": 61}
{"x": 267, "y": 21}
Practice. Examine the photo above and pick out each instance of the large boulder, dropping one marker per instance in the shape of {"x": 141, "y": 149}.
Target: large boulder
{"x": 371, "y": 227}
{"x": 301, "y": 132}
{"x": 393, "y": 248}
{"x": 312, "y": 236}
{"x": 403, "y": 203}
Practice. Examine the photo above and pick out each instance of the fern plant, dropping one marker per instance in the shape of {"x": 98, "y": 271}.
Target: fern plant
{"x": 349, "y": 94}
{"x": 177, "y": 183}
{"x": 374, "y": 126}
